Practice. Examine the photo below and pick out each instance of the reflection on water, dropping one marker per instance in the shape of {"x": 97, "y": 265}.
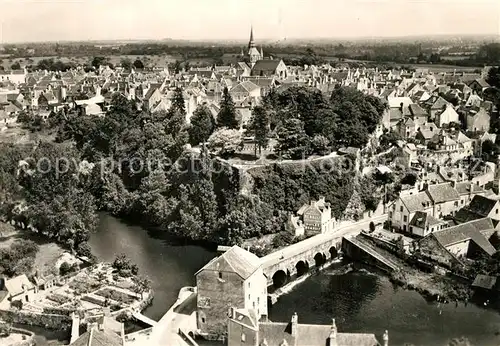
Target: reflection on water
{"x": 364, "y": 302}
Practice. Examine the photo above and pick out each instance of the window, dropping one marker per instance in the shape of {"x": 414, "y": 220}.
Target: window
{"x": 220, "y": 275}
{"x": 249, "y": 285}
{"x": 405, "y": 218}
{"x": 401, "y": 209}
{"x": 243, "y": 337}
{"x": 203, "y": 320}
{"x": 496, "y": 211}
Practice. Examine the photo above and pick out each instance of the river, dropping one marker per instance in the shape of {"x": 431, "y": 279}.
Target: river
{"x": 360, "y": 301}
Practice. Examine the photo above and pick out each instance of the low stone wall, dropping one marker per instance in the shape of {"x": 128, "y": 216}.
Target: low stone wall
{"x": 49, "y": 321}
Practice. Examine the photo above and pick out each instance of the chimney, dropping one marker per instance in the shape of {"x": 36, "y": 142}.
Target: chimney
{"x": 295, "y": 324}
{"x": 332, "y": 338}
{"x": 386, "y": 338}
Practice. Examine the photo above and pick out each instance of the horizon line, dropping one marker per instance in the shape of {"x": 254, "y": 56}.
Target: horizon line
{"x": 266, "y": 40}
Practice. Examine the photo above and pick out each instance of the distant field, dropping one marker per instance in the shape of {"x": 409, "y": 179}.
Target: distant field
{"x": 446, "y": 68}
{"x": 149, "y": 60}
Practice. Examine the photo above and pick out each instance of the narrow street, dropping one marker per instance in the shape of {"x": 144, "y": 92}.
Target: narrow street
{"x": 180, "y": 316}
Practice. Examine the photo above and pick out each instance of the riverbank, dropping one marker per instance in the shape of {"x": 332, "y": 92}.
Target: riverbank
{"x": 432, "y": 286}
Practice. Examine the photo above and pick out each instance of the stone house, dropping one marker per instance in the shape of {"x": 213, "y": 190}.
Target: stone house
{"x": 461, "y": 241}
{"x": 19, "y": 288}
{"x": 423, "y": 224}
{"x": 478, "y": 120}
{"x": 405, "y": 207}
{"x": 234, "y": 279}
{"x": 479, "y": 85}
{"x": 437, "y": 200}
{"x": 317, "y": 217}
{"x": 448, "y": 115}
{"x": 445, "y": 199}
{"x": 245, "y": 329}
{"x": 270, "y": 68}
{"x": 44, "y": 282}
{"x": 479, "y": 207}
{"x": 245, "y": 90}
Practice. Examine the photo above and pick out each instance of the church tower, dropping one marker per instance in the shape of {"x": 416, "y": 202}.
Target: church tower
{"x": 253, "y": 53}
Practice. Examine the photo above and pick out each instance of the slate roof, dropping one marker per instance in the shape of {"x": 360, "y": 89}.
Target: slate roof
{"x": 265, "y": 66}
{"x": 96, "y": 337}
{"x": 235, "y": 260}
{"x": 440, "y": 103}
{"x": 465, "y": 215}
{"x": 422, "y": 219}
{"x": 442, "y": 193}
{"x": 310, "y": 335}
{"x": 481, "y": 205}
{"x": 16, "y": 285}
{"x": 463, "y": 232}
{"x": 416, "y": 202}
{"x": 416, "y": 110}
{"x": 484, "y": 281}
{"x": 466, "y": 186}
{"x": 481, "y": 82}
{"x": 245, "y": 86}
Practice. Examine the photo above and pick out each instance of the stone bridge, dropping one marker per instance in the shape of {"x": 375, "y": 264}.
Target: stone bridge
{"x": 297, "y": 259}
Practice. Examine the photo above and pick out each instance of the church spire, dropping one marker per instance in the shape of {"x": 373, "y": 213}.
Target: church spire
{"x": 251, "y": 43}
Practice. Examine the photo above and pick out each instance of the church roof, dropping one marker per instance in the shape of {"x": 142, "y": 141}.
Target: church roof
{"x": 265, "y": 66}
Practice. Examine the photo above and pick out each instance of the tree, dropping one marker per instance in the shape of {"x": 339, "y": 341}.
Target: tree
{"x": 15, "y": 66}
{"x": 5, "y": 329}
{"x": 98, "y": 61}
{"x": 227, "y": 114}
{"x": 225, "y": 142}
{"x": 142, "y": 285}
{"x": 138, "y": 64}
{"x": 19, "y": 258}
{"x": 355, "y": 207}
{"x": 293, "y": 143}
{"x": 259, "y": 127}
{"x": 124, "y": 266}
{"x": 489, "y": 151}
{"x": 178, "y": 102}
{"x": 202, "y": 125}
{"x": 126, "y": 64}
{"x": 493, "y": 77}
{"x": 320, "y": 145}
{"x": 65, "y": 268}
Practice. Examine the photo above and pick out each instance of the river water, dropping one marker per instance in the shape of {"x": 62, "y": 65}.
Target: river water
{"x": 359, "y": 301}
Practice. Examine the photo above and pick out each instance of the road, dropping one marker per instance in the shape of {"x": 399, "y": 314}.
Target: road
{"x": 179, "y": 316}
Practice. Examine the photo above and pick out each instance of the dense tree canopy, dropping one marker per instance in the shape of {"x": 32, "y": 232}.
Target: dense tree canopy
{"x": 202, "y": 125}
{"x": 227, "y": 114}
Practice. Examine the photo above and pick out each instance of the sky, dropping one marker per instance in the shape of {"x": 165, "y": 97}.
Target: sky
{"x": 62, "y": 20}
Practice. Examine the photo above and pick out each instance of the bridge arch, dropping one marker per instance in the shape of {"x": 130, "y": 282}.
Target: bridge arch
{"x": 302, "y": 267}
{"x": 333, "y": 252}
{"x": 319, "y": 259}
{"x": 280, "y": 278}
